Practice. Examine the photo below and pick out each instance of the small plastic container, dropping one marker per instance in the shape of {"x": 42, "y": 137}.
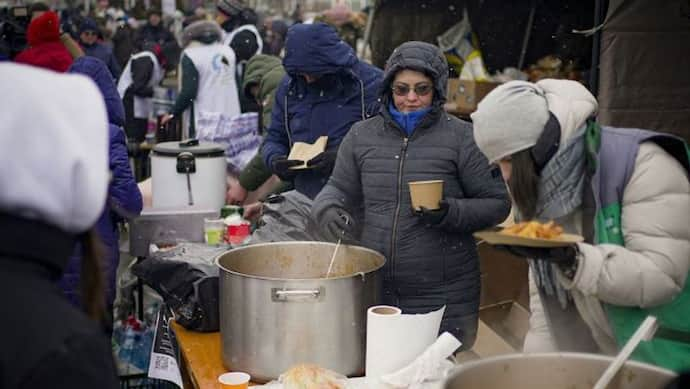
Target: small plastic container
{"x": 238, "y": 229}
{"x": 213, "y": 231}
{"x": 234, "y": 380}
{"x": 150, "y": 138}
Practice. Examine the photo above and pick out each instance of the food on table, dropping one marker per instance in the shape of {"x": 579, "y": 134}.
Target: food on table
{"x": 310, "y": 377}
{"x": 534, "y": 229}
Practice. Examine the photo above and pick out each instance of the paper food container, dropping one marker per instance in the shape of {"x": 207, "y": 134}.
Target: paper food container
{"x": 302, "y": 151}
{"x": 494, "y": 237}
{"x": 426, "y": 194}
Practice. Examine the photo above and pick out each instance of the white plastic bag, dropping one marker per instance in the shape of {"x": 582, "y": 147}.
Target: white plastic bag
{"x": 239, "y": 135}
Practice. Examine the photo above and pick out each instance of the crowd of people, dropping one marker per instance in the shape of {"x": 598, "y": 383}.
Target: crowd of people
{"x": 533, "y": 143}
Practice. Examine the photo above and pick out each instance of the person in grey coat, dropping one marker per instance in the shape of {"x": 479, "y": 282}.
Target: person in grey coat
{"x": 431, "y": 255}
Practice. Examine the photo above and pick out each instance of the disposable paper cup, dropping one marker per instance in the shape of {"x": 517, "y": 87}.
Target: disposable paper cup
{"x": 235, "y": 380}
{"x": 426, "y": 194}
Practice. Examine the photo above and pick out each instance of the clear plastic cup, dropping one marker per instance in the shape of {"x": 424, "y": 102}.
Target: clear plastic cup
{"x": 213, "y": 231}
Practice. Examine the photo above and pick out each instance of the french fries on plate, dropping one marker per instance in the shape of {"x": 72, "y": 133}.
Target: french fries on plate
{"x": 534, "y": 229}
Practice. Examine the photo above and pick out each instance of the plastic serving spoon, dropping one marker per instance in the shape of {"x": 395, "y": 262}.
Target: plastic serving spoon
{"x": 645, "y": 331}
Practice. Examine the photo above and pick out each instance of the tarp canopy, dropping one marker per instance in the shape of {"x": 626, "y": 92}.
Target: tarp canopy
{"x": 644, "y": 56}
{"x": 644, "y": 77}
{"x": 500, "y": 26}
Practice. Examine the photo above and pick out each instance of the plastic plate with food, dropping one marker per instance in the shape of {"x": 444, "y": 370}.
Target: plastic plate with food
{"x": 529, "y": 234}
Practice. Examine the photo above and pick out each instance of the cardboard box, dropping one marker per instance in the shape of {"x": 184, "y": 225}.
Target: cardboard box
{"x": 504, "y": 277}
{"x": 463, "y": 96}
{"x": 501, "y": 330}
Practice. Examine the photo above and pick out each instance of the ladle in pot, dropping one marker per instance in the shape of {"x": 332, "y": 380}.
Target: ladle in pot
{"x": 337, "y": 246}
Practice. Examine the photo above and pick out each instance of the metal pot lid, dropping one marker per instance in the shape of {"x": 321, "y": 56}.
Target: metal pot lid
{"x": 199, "y": 149}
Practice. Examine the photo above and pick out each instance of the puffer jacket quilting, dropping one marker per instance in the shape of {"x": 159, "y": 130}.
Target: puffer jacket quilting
{"x": 267, "y": 92}
{"x": 426, "y": 267}
{"x": 124, "y": 198}
{"x": 255, "y": 69}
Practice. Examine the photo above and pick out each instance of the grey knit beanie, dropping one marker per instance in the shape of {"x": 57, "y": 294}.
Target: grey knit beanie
{"x": 230, "y": 7}
{"x": 510, "y": 119}
{"x": 204, "y": 31}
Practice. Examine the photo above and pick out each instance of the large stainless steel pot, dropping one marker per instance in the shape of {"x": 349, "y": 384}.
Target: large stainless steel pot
{"x": 554, "y": 371}
{"x": 277, "y": 309}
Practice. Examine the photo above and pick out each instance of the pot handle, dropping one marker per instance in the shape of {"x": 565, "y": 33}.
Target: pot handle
{"x": 296, "y": 295}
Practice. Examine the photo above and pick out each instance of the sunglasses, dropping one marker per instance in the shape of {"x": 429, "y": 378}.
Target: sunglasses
{"x": 419, "y": 90}
{"x": 89, "y": 33}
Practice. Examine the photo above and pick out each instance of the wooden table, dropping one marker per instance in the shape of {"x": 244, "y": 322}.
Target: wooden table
{"x": 503, "y": 279}
{"x": 202, "y": 360}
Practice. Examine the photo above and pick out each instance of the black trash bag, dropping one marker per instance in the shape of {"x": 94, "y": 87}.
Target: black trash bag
{"x": 187, "y": 280}
{"x": 286, "y": 217}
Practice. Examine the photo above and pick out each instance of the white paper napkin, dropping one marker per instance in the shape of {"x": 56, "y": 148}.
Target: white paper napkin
{"x": 431, "y": 365}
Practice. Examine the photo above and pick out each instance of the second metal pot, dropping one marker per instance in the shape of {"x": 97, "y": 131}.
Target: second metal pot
{"x": 277, "y": 309}
{"x": 554, "y": 371}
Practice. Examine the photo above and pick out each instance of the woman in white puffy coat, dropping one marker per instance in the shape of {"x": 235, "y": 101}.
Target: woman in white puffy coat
{"x": 625, "y": 190}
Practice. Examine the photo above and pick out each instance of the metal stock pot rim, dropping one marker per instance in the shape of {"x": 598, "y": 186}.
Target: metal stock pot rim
{"x": 216, "y": 261}
{"x": 459, "y": 369}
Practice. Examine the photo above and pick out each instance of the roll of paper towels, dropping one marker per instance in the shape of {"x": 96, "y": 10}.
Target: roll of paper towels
{"x": 395, "y": 339}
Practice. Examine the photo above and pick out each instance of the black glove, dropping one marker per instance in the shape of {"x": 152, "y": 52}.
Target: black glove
{"x": 432, "y": 217}
{"x": 323, "y": 162}
{"x": 281, "y": 167}
{"x": 563, "y": 256}
{"x": 338, "y": 224}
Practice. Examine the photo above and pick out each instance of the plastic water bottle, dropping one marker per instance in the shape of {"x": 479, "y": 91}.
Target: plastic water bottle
{"x": 141, "y": 353}
{"x": 127, "y": 352}
{"x": 124, "y": 355}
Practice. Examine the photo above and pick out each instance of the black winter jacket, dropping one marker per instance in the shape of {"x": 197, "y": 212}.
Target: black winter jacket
{"x": 426, "y": 267}
{"x": 46, "y": 342}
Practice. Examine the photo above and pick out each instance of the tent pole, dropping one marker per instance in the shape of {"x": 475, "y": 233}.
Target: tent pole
{"x": 367, "y": 30}
{"x": 596, "y": 47}
{"x": 528, "y": 32}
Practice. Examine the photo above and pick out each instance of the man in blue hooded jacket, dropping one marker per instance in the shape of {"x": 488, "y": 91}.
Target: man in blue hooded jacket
{"x": 326, "y": 90}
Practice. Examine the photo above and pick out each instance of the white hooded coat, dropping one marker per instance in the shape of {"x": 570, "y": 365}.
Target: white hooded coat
{"x": 651, "y": 268}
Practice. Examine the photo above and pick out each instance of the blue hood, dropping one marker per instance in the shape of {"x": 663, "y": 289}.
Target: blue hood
{"x": 96, "y": 69}
{"x": 316, "y": 49}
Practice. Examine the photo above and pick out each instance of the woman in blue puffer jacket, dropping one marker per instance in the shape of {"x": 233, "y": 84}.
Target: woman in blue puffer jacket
{"x": 124, "y": 199}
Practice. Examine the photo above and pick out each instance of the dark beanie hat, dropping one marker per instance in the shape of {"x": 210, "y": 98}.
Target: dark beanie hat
{"x": 38, "y": 7}
{"x": 153, "y": 11}
{"x": 230, "y": 7}
{"x": 88, "y": 25}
